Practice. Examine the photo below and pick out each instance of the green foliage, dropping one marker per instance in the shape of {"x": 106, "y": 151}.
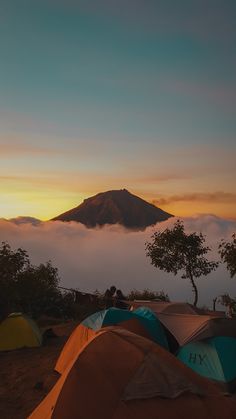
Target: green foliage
{"x": 147, "y": 294}
{"x": 12, "y": 264}
{"x": 27, "y": 288}
{"x": 37, "y": 290}
{"x": 228, "y": 302}
{"x": 227, "y": 251}
{"x": 225, "y": 300}
{"x": 173, "y": 250}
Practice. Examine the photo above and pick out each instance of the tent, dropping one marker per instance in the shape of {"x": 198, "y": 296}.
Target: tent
{"x": 119, "y": 374}
{"x": 18, "y": 331}
{"x": 78, "y": 338}
{"x": 147, "y": 312}
{"x": 143, "y": 322}
{"x": 170, "y": 307}
{"x": 214, "y": 358}
{"x": 152, "y": 324}
{"x": 128, "y": 320}
{"x": 166, "y": 307}
{"x": 187, "y": 328}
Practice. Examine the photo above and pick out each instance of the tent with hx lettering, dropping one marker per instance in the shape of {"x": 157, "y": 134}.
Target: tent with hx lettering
{"x": 213, "y": 358}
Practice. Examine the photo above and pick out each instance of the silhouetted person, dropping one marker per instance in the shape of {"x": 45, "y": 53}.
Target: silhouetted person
{"x": 109, "y": 296}
{"x": 120, "y": 300}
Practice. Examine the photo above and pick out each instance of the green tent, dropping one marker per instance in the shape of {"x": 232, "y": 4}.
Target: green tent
{"x": 116, "y": 316}
{"x": 214, "y": 358}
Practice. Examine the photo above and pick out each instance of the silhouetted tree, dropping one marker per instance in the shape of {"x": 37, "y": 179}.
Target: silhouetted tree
{"x": 37, "y": 290}
{"x": 173, "y": 250}
{"x": 228, "y": 302}
{"x": 28, "y": 288}
{"x": 12, "y": 263}
{"x": 227, "y": 251}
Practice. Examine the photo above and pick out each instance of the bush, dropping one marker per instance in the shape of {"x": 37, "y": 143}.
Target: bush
{"x": 147, "y": 294}
{"x": 27, "y": 288}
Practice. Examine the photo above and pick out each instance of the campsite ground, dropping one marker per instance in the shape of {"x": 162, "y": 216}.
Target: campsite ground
{"x": 27, "y": 375}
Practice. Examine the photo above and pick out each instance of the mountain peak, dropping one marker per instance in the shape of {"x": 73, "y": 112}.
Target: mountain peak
{"x": 115, "y": 207}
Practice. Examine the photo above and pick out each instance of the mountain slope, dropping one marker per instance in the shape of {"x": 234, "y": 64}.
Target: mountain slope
{"x": 115, "y": 207}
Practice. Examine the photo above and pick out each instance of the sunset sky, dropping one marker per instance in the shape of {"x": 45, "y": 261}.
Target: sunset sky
{"x": 102, "y": 94}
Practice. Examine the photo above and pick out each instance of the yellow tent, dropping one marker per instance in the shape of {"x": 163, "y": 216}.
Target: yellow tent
{"x": 18, "y": 331}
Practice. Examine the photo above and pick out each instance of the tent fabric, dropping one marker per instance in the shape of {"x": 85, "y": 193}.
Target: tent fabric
{"x": 81, "y": 335}
{"x": 152, "y": 324}
{"x": 106, "y": 317}
{"x": 184, "y": 327}
{"x": 144, "y": 324}
{"x": 212, "y": 313}
{"x": 154, "y": 378}
{"x": 146, "y": 312}
{"x": 108, "y": 371}
{"x": 187, "y": 328}
{"x": 166, "y": 307}
{"x": 175, "y": 308}
{"x": 18, "y": 331}
{"x": 78, "y": 338}
{"x": 116, "y": 316}
{"x": 213, "y": 358}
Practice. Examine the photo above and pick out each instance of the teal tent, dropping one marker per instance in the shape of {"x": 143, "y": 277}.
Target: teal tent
{"x": 214, "y": 358}
{"x": 153, "y": 324}
{"x": 115, "y": 316}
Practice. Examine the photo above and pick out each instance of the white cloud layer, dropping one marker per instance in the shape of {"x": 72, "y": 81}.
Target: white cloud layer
{"x": 97, "y": 258}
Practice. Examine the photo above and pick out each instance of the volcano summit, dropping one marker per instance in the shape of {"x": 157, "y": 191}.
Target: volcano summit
{"x": 115, "y": 207}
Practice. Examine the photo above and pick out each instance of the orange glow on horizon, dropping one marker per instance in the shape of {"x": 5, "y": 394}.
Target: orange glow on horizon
{"x": 46, "y": 205}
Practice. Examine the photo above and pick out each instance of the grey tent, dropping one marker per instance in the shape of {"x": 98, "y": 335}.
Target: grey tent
{"x": 188, "y": 328}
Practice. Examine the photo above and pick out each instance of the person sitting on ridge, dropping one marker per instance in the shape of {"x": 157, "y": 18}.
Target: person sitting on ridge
{"x": 109, "y": 296}
{"x": 120, "y": 300}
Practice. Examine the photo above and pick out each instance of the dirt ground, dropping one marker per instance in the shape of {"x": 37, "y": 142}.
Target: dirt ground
{"x": 27, "y": 375}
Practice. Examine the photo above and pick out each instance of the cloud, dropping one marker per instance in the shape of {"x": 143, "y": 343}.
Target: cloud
{"x": 216, "y": 94}
{"x": 23, "y": 149}
{"x": 25, "y": 220}
{"x": 96, "y": 258}
{"x": 202, "y": 20}
{"x": 153, "y": 179}
{"x": 217, "y": 197}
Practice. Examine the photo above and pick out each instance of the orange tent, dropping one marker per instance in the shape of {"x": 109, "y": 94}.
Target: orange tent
{"x": 82, "y": 334}
{"x": 121, "y": 375}
{"x": 78, "y": 338}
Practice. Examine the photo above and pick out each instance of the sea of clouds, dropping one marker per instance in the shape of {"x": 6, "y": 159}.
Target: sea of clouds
{"x": 90, "y": 259}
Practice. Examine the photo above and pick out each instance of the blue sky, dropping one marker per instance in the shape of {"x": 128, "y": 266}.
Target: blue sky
{"x": 98, "y": 95}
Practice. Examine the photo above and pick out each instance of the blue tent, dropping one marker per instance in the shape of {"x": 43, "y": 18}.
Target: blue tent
{"x": 214, "y": 358}
{"x": 115, "y": 316}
